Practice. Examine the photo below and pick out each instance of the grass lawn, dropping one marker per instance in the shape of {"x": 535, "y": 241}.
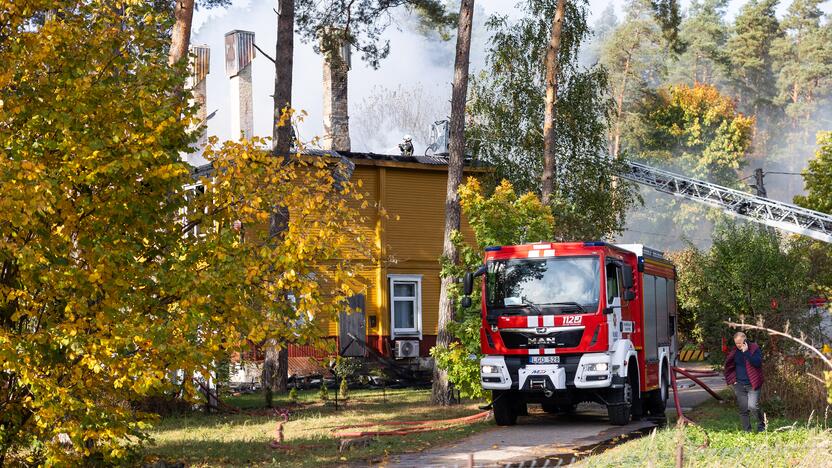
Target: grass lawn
{"x": 787, "y": 443}
{"x": 243, "y": 439}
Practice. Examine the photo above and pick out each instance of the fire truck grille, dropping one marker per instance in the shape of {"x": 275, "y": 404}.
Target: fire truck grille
{"x": 562, "y": 339}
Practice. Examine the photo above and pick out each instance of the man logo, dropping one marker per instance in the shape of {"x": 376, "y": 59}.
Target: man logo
{"x": 541, "y": 330}
{"x": 543, "y": 340}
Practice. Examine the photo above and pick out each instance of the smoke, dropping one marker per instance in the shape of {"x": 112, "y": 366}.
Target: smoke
{"x": 792, "y": 156}
{"x": 416, "y": 59}
{"x": 386, "y": 115}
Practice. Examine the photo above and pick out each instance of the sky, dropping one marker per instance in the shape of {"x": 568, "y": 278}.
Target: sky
{"x": 413, "y": 61}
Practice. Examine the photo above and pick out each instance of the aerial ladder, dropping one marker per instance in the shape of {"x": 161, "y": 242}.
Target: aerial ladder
{"x": 784, "y": 216}
{"x": 770, "y": 212}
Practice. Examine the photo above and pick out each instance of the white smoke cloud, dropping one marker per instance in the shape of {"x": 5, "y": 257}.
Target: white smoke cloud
{"x": 414, "y": 59}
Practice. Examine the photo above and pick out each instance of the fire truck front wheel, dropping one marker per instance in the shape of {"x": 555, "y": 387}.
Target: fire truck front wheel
{"x": 620, "y": 407}
{"x": 506, "y": 407}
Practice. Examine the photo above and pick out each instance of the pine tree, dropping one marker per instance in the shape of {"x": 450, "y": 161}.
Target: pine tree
{"x": 803, "y": 65}
{"x": 705, "y": 33}
{"x": 751, "y": 65}
{"x": 604, "y": 26}
{"x": 633, "y": 56}
{"x": 803, "y": 61}
{"x": 440, "y": 393}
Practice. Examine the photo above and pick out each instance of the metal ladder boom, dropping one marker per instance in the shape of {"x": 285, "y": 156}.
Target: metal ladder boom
{"x": 772, "y": 213}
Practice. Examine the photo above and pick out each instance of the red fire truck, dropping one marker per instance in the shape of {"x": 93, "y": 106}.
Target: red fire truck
{"x": 564, "y": 323}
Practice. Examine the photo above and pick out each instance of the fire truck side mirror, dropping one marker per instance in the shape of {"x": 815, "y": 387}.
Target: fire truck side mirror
{"x": 466, "y": 301}
{"x": 468, "y": 285}
{"x": 627, "y": 280}
{"x": 629, "y": 295}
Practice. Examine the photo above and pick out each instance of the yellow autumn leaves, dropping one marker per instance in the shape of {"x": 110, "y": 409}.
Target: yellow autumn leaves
{"x": 105, "y": 297}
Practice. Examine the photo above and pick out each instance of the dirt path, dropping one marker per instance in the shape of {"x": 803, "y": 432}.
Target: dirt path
{"x": 541, "y": 435}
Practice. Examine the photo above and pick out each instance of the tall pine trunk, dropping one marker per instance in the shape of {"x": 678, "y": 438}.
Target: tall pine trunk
{"x": 456, "y": 159}
{"x": 619, "y": 109}
{"x": 183, "y": 13}
{"x": 283, "y": 66}
{"x": 275, "y": 371}
{"x": 551, "y": 111}
{"x": 275, "y": 374}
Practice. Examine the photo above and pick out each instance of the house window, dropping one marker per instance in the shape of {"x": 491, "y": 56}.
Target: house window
{"x": 192, "y": 194}
{"x": 406, "y": 305}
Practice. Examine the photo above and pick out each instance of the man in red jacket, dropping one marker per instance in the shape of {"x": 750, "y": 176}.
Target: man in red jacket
{"x": 744, "y": 372}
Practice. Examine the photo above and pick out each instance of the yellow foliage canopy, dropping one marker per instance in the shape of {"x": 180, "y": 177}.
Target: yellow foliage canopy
{"x": 105, "y": 296}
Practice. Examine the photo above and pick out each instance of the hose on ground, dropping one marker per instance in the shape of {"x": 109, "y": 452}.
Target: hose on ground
{"x": 407, "y": 427}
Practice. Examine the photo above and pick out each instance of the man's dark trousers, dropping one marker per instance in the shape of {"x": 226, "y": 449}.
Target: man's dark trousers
{"x": 748, "y": 400}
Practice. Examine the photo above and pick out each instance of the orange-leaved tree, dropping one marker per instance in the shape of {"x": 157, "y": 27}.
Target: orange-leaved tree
{"x": 106, "y": 293}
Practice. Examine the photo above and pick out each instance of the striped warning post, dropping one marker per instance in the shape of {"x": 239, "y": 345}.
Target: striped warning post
{"x": 691, "y": 353}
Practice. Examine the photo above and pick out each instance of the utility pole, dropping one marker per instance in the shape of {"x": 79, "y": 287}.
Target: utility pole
{"x": 759, "y": 185}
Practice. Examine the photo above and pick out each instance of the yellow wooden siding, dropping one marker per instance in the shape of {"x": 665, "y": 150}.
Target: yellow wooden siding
{"x": 416, "y": 203}
{"x": 368, "y": 278}
{"x": 368, "y": 177}
{"x": 369, "y": 189}
{"x": 409, "y": 239}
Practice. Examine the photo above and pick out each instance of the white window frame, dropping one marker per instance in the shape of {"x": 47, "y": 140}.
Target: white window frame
{"x": 192, "y": 189}
{"x": 405, "y": 332}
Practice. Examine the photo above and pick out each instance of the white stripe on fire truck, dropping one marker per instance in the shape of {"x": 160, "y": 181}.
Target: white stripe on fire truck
{"x": 548, "y": 321}
{"x": 550, "y": 350}
{"x": 532, "y": 321}
{"x": 534, "y": 253}
{"x": 534, "y": 351}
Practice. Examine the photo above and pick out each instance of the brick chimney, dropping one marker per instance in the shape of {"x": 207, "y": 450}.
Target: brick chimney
{"x": 239, "y": 52}
{"x": 336, "y": 112}
{"x": 200, "y": 65}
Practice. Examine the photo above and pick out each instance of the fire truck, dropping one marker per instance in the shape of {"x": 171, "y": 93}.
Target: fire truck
{"x": 564, "y": 323}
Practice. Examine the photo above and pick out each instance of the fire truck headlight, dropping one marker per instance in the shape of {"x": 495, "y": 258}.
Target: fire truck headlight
{"x": 598, "y": 366}
{"x": 490, "y": 370}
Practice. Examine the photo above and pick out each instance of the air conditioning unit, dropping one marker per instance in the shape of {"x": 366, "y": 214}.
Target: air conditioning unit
{"x": 407, "y": 349}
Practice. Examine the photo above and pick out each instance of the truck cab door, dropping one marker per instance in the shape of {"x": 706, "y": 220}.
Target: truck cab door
{"x": 614, "y": 303}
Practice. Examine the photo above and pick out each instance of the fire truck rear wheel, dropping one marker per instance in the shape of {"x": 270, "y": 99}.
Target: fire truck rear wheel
{"x": 505, "y": 407}
{"x": 657, "y": 401}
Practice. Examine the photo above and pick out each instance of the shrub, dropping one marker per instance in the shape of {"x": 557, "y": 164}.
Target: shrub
{"x": 324, "y": 393}
{"x": 789, "y": 391}
{"x": 344, "y": 390}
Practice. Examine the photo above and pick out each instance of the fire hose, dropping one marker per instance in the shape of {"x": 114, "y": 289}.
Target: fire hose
{"x": 404, "y": 428}
{"x": 407, "y": 427}
{"x": 694, "y": 376}
{"x": 413, "y": 427}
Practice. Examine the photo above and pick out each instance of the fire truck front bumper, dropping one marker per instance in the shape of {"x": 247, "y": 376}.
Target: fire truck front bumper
{"x": 495, "y": 375}
{"x": 576, "y": 371}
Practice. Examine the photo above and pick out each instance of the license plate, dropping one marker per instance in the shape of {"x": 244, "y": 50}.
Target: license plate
{"x": 544, "y": 359}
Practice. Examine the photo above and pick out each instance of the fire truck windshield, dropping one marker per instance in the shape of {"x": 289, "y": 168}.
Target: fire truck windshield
{"x": 555, "y": 284}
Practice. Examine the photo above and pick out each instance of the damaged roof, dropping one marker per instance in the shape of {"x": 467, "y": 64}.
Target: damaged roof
{"x": 434, "y": 160}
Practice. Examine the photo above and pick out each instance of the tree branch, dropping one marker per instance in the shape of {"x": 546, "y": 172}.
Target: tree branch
{"x": 261, "y": 51}
{"x": 785, "y": 335}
